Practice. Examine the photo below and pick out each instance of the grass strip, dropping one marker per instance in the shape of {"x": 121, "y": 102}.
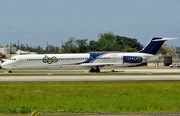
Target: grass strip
{"x": 90, "y": 97}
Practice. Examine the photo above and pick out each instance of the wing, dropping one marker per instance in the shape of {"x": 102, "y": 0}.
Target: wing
{"x": 97, "y": 64}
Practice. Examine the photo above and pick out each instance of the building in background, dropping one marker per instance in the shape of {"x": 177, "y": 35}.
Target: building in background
{"x": 8, "y": 50}
{"x": 165, "y": 60}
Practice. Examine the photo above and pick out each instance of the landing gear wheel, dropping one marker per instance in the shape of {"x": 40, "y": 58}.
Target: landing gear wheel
{"x": 92, "y": 70}
{"x": 10, "y": 71}
{"x": 97, "y": 70}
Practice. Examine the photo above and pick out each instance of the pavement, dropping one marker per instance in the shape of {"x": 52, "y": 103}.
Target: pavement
{"x": 80, "y": 70}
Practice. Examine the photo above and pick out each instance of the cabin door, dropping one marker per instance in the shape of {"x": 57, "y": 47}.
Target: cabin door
{"x": 19, "y": 61}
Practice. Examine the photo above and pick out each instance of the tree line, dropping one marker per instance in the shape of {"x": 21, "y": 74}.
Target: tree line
{"x": 106, "y": 42}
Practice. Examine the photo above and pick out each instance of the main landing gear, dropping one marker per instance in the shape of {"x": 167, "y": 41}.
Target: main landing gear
{"x": 97, "y": 70}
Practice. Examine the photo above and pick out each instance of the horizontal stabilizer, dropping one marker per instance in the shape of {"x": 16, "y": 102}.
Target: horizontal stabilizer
{"x": 164, "y": 39}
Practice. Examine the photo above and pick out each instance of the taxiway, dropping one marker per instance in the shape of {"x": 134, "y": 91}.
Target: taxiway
{"x": 78, "y": 70}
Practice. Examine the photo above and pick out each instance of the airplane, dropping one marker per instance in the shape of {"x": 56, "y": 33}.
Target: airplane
{"x": 90, "y": 60}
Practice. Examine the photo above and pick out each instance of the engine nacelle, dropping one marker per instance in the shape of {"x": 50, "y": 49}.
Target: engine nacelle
{"x": 132, "y": 59}
{"x": 153, "y": 58}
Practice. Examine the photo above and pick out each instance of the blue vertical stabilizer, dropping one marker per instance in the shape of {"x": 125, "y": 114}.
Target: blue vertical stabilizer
{"x": 154, "y": 45}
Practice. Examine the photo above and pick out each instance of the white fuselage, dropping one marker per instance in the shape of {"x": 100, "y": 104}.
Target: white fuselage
{"x": 78, "y": 59}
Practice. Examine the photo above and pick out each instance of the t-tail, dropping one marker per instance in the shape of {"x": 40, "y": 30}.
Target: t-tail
{"x": 154, "y": 45}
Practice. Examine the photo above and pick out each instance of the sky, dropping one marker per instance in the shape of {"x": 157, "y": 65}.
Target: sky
{"x": 36, "y": 22}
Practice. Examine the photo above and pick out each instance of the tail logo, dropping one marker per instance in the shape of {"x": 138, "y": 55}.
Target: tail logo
{"x": 49, "y": 60}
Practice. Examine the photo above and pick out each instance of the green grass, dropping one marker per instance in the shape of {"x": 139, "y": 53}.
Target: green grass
{"x": 90, "y": 97}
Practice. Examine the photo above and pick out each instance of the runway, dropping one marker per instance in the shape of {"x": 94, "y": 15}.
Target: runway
{"x": 93, "y": 78}
{"x": 120, "y": 74}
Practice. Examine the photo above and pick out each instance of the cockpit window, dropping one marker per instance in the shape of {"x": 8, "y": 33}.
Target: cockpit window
{"x": 12, "y": 58}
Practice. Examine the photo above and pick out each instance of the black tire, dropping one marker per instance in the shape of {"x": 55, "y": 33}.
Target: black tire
{"x": 92, "y": 70}
{"x": 97, "y": 70}
{"x": 10, "y": 71}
